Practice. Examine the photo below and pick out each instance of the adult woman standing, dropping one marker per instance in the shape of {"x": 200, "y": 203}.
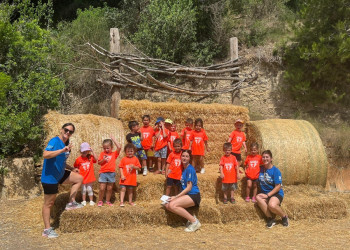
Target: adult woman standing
{"x": 189, "y": 196}
{"x": 271, "y": 196}
{"x": 54, "y": 173}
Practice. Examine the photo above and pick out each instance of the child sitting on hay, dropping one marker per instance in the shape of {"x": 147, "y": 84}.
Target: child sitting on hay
{"x": 107, "y": 161}
{"x": 199, "y": 142}
{"x": 229, "y": 173}
{"x": 128, "y": 167}
{"x": 85, "y": 164}
{"x": 237, "y": 139}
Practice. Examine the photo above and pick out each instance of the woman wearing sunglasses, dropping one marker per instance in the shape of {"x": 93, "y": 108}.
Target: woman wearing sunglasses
{"x": 56, "y": 171}
{"x": 271, "y": 196}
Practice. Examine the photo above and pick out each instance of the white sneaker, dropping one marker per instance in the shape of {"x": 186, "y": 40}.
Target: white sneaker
{"x": 92, "y": 203}
{"x": 83, "y": 203}
{"x": 193, "y": 226}
{"x": 189, "y": 223}
{"x": 144, "y": 171}
{"x": 202, "y": 170}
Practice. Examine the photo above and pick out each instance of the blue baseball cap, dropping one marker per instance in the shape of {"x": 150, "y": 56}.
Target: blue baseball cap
{"x": 159, "y": 119}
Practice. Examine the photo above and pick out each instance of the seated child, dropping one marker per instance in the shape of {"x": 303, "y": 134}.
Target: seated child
{"x": 199, "y": 142}
{"x": 107, "y": 161}
{"x": 85, "y": 164}
{"x": 128, "y": 167}
{"x": 147, "y": 134}
{"x": 186, "y": 133}
{"x": 160, "y": 145}
{"x": 174, "y": 168}
{"x": 252, "y": 168}
{"x": 229, "y": 173}
{"x": 237, "y": 139}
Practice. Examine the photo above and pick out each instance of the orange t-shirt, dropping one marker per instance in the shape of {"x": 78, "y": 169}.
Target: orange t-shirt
{"x": 108, "y": 166}
{"x": 161, "y": 142}
{"x": 253, "y": 164}
{"x": 229, "y": 168}
{"x": 186, "y": 140}
{"x": 238, "y": 137}
{"x": 86, "y": 168}
{"x": 129, "y": 173}
{"x": 147, "y": 134}
{"x": 174, "y": 159}
{"x": 198, "y": 139}
{"x": 172, "y": 136}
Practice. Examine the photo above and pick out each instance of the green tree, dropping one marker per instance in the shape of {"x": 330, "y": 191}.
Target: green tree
{"x": 318, "y": 59}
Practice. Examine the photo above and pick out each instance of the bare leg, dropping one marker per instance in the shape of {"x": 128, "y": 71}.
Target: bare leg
{"x": 274, "y": 206}
{"x": 178, "y": 206}
{"x": 255, "y": 188}
{"x": 249, "y": 186}
{"x": 159, "y": 164}
{"x": 130, "y": 191}
{"x": 201, "y": 162}
{"x": 163, "y": 164}
{"x": 49, "y": 200}
{"x": 232, "y": 194}
{"x": 101, "y": 192}
{"x": 262, "y": 203}
{"x": 168, "y": 190}
{"x": 122, "y": 194}
{"x": 75, "y": 179}
{"x": 109, "y": 191}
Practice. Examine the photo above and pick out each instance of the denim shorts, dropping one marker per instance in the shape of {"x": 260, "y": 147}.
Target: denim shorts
{"x": 161, "y": 153}
{"x": 229, "y": 186}
{"x": 107, "y": 177}
{"x": 126, "y": 186}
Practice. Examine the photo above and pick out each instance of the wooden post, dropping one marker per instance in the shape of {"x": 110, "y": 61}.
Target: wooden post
{"x": 234, "y": 56}
{"x": 114, "y": 47}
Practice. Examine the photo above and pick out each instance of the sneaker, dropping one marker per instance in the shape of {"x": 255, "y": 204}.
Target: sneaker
{"x": 73, "y": 205}
{"x": 144, "y": 171}
{"x": 132, "y": 204}
{"x": 247, "y": 199}
{"x": 83, "y": 203}
{"x": 232, "y": 200}
{"x": 100, "y": 204}
{"x": 49, "y": 233}
{"x": 109, "y": 203}
{"x": 225, "y": 201}
{"x": 92, "y": 203}
{"x": 122, "y": 204}
{"x": 270, "y": 223}
{"x": 253, "y": 200}
{"x": 285, "y": 221}
{"x": 193, "y": 226}
{"x": 189, "y": 223}
{"x": 203, "y": 171}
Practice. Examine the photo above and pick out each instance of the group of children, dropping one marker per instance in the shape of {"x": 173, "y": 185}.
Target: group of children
{"x": 165, "y": 145}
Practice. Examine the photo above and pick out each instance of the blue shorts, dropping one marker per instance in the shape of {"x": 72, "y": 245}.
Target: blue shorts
{"x": 108, "y": 177}
{"x": 161, "y": 153}
{"x": 141, "y": 154}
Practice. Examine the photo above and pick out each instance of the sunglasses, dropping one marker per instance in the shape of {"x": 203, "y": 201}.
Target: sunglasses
{"x": 66, "y": 130}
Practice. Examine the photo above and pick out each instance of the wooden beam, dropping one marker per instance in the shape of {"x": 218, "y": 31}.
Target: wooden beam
{"x": 114, "y": 47}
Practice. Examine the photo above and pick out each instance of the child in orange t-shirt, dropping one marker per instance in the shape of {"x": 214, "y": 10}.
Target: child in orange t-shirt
{"x": 128, "y": 167}
{"x": 237, "y": 139}
{"x": 172, "y": 136}
{"x": 229, "y": 173}
{"x": 107, "y": 160}
{"x": 198, "y": 145}
{"x": 252, "y": 168}
{"x": 161, "y": 145}
{"x": 85, "y": 164}
{"x": 186, "y": 133}
{"x": 147, "y": 134}
{"x": 174, "y": 168}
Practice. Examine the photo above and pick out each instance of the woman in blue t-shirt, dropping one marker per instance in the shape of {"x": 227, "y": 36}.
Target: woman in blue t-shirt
{"x": 189, "y": 196}
{"x": 54, "y": 172}
{"x": 271, "y": 196}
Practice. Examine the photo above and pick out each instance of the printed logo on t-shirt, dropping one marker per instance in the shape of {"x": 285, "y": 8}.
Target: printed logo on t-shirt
{"x": 160, "y": 138}
{"x": 172, "y": 138}
{"x": 239, "y": 138}
{"x": 86, "y": 166}
{"x": 228, "y": 166}
{"x": 128, "y": 168}
{"x": 108, "y": 158}
{"x": 145, "y": 135}
{"x": 253, "y": 164}
{"x": 198, "y": 139}
{"x": 177, "y": 162}
{"x": 188, "y": 136}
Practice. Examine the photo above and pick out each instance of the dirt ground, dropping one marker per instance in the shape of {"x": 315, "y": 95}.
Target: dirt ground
{"x": 21, "y": 226}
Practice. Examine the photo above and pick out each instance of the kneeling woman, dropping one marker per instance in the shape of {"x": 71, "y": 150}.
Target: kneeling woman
{"x": 271, "y": 196}
{"x": 189, "y": 196}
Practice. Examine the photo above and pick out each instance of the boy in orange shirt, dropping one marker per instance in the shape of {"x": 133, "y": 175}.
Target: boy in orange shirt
{"x": 199, "y": 142}
{"x": 229, "y": 173}
{"x": 172, "y": 136}
{"x": 85, "y": 164}
{"x": 174, "y": 168}
{"x": 147, "y": 134}
{"x": 186, "y": 133}
{"x": 237, "y": 139}
{"x": 128, "y": 167}
{"x": 160, "y": 145}
{"x": 252, "y": 168}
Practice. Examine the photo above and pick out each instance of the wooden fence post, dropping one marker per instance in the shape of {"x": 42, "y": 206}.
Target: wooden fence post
{"x": 114, "y": 47}
{"x": 234, "y": 56}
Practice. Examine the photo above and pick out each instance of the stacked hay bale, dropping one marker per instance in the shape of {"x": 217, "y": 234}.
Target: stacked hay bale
{"x": 296, "y": 147}
{"x": 218, "y": 119}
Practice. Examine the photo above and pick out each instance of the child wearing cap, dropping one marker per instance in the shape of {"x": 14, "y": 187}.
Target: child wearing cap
{"x": 85, "y": 164}
{"x": 237, "y": 139}
{"x": 160, "y": 145}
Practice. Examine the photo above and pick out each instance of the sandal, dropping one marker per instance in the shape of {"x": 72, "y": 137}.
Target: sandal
{"x": 225, "y": 201}
{"x": 132, "y": 204}
{"x": 232, "y": 200}
{"x": 247, "y": 199}
{"x": 122, "y": 204}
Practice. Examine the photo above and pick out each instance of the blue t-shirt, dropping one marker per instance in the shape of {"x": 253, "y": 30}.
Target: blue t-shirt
{"x": 269, "y": 178}
{"x": 53, "y": 169}
{"x": 189, "y": 174}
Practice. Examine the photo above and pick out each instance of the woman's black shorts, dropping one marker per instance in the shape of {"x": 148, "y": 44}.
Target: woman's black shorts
{"x": 196, "y": 199}
{"x": 53, "y": 188}
{"x": 278, "y": 197}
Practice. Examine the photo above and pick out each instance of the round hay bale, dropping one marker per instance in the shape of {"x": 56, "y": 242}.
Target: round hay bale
{"x": 296, "y": 147}
{"x": 88, "y": 128}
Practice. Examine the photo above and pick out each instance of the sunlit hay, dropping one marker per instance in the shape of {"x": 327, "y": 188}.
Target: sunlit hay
{"x": 296, "y": 147}
{"x": 218, "y": 119}
{"x": 88, "y": 128}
